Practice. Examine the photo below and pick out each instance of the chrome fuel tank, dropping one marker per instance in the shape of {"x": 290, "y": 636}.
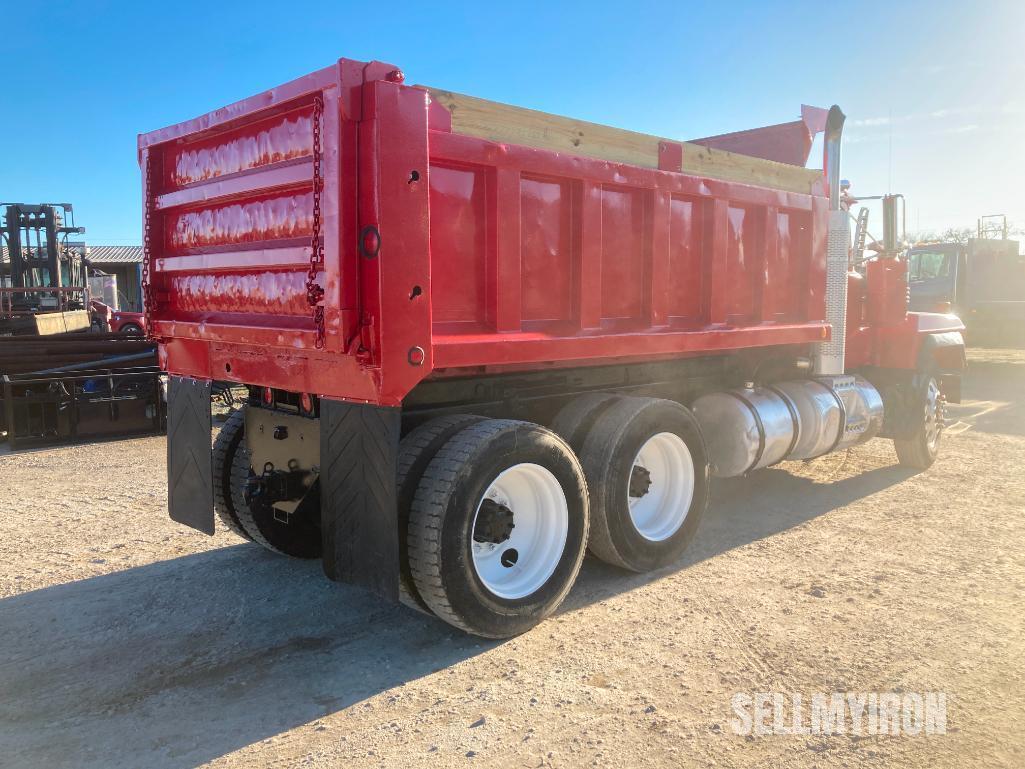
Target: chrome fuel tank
{"x": 745, "y": 429}
{"x": 753, "y": 427}
{"x": 821, "y": 413}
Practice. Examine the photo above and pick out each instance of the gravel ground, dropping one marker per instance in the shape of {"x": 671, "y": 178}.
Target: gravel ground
{"x": 129, "y": 641}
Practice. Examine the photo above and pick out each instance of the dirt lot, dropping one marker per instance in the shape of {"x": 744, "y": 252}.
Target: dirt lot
{"x": 129, "y": 641}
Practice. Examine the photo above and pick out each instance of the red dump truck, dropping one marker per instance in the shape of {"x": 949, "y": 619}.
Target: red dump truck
{"x": 480, "y": 340}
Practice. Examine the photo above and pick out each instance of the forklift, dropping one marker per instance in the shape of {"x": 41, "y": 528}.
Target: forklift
{"x": 61, "y": 379}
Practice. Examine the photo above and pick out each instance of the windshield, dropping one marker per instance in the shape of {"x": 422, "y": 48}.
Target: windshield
{"x": 928, "y": 265}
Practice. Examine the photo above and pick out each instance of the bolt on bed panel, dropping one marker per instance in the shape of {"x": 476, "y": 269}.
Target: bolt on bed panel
{"x": 786, "y": 269}
{"x": 459, "y": 286}
{"x": 234, "y": 209}
{"x": 232, "y": 240}
{"x": 624, "y": 247}
{"x": 267, "y": 216}
{"x": 547, "y": 273}
{"x": 687, "y": 270}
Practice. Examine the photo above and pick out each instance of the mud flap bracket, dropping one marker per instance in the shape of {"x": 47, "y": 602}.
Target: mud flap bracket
{"x": 359, "y": 513}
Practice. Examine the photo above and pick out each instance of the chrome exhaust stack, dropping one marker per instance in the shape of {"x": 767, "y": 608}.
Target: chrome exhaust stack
{"x": 829, "y": 356}
{"x": 860, "y": 402}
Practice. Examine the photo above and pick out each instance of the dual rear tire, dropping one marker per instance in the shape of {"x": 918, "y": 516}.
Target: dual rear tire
{"x": 296, "y": 535}
{"x": 495, "y": 515}
{"x": 647, "y": 477}
{"x": 502, "y": 510}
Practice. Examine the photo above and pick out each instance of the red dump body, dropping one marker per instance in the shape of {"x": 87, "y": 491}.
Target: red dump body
{"x": 446, "y": 253}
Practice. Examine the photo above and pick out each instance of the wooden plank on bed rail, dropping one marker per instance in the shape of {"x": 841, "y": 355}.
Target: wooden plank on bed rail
{"x": 516, "y": 125}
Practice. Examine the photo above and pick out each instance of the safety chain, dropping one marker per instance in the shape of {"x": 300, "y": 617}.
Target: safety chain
{"x": 148, "y": 293}
{"x": 314, "y": 291}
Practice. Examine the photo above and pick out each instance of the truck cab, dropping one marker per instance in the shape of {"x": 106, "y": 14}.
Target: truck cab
{"x": 933, "y": 273}
{"x": 982, "y": 281}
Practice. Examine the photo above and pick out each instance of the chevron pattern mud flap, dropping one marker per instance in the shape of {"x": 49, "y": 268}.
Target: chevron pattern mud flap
{"x": 190, "y": 486}
{"x": 359, "y": 447}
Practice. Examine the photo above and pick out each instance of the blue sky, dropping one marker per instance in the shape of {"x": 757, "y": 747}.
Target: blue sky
{"x": 934, "y": 91}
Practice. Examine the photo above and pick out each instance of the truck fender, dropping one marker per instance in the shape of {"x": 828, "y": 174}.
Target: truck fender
{"x": 940, "y": 354}
{"x": 943, "y": 355}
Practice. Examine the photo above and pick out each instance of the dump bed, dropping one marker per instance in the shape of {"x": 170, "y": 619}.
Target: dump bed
{"x": 349, "y": 235}
{"x": 996, "y": 272}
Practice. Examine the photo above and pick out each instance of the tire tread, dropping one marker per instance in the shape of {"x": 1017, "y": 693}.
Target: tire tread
{"x": 577, "y": 417}
{"x": 914, "y": 452}
{"x": 597, "y": 451}
{"x": 226, "y": 449}
{"x": 423, "y": 439}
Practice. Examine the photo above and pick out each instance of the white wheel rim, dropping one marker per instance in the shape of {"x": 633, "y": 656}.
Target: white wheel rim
{"x": 933, "y": 415}
{"x": 660, "y": 511}
{"x": 522, "y": 564}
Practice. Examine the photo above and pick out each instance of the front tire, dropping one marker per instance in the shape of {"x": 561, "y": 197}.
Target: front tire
{"x": 647, "y": 474}
{"x": 921, "y": 449}
{"x": 498, "y": 527}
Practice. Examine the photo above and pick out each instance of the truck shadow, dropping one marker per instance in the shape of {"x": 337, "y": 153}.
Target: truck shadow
{"x": 179, "y": 662}
{"x": 741, "y": 511}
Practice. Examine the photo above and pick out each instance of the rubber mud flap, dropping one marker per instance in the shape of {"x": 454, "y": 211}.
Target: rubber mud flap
{"x": 190, "y": 484}
{"x": 359, "y": 447}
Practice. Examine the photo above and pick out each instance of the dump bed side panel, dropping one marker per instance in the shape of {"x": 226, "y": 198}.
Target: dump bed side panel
{"x": 540, "y": 257}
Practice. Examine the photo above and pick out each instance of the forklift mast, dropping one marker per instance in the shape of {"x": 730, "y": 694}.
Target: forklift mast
{"x": 51, "y": 274}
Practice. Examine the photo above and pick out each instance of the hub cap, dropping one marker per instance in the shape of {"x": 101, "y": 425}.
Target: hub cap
{"x": 519, "y": 531}
{"x": 661, "y": 486}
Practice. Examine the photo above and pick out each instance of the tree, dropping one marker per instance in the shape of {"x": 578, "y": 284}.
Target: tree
{"x": 957, "y": 234}
{"x": 924, "y": 236}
